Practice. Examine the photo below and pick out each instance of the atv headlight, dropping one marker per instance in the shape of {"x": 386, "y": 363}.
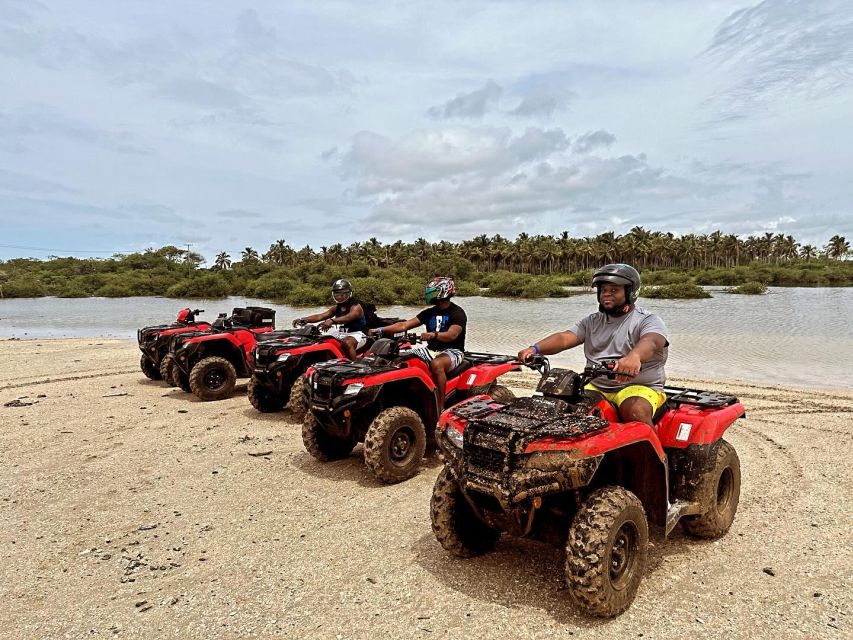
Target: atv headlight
{"x": 353, "y": 389}
{"x": 282, "y": 357}
{"x": 454, "y": 436}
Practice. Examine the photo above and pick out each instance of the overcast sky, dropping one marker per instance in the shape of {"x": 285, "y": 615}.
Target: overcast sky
{"x": 130, "y": 124}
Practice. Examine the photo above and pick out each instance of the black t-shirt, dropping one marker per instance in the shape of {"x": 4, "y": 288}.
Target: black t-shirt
{"x": 436, "y": 319}
{"x": 343, "y": 308}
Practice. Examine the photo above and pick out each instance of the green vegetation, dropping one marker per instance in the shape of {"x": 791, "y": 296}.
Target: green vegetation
{"x": 752, "y": 288}
{"x": 681, "y": 290}
{"x": 529, "y": 267}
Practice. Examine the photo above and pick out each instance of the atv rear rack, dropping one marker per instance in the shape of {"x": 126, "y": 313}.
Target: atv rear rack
{"x": 678, "y": 396}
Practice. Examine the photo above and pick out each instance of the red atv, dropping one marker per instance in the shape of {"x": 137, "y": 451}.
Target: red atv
{"x": 208, "y": 363}
{"x": 384, "y": 399}
{"x": 560, "y": 467}
{"x": 279, "y": 366}
{"x": 154, "y": 340}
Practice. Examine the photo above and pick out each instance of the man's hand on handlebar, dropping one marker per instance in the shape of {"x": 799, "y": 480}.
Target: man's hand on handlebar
{"x": 525, "y": 354}
{"x": 327, "y": 324}
{"x": 627, "y": 367}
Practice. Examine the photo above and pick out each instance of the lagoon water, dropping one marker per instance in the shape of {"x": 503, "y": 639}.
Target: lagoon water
{"x": 791, "y": 336}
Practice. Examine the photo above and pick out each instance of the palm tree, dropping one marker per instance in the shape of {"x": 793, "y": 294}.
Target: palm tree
{"x": 249, "y": 255}
{"x": 222, "y": 262}
{"x": 838, "y": 247}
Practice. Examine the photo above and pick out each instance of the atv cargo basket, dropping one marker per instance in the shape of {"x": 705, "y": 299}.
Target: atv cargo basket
{"x": 253, "y": 317}
{"x": 678, "y": 396}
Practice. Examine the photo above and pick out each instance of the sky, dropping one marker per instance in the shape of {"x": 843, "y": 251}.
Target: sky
{"x": 128, "y": 124}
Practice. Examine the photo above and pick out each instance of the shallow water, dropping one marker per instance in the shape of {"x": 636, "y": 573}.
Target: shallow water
{"x": 791, "y": 336}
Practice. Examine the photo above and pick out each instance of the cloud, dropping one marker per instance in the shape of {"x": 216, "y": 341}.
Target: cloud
{"x": 20, "y": 183}
{"x": 593, "y": 140}
{"x": 472, "y": 105}
{"x": 239, "y": 214}
{"x": 423, "y": 156}
{"x": 43, "y": 121}
{"x": 778, "y": 50}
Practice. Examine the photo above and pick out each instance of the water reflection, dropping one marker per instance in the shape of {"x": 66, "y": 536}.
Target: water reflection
{"x": 792, "y": 336}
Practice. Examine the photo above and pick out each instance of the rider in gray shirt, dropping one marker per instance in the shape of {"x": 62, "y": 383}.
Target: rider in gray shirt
{"x": 620, "y": 331}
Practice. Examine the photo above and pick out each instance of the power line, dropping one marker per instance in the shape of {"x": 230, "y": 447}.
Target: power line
{"x": 15, "y": 246}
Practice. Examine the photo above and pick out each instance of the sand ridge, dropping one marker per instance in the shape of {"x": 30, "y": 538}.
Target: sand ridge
{"x": 131, "y": 510}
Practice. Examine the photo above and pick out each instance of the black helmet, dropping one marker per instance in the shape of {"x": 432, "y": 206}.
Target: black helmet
{"x": 342, "y": 286}
{"x": 623, "y": 274}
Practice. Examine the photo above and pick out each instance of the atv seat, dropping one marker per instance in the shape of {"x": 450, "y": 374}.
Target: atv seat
{"x": 596, "y": 397}
{"x": 459, "y": 369}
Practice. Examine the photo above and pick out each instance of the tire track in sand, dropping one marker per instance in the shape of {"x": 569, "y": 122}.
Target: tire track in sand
{"x": 33, "y": 383}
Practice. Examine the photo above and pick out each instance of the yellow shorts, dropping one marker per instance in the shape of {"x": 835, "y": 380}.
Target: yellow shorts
{"x": 655, "y": 398}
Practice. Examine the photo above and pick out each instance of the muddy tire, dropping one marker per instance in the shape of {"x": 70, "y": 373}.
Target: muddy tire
{"x": 262, "y": 399}
{"x": 606, "y": 551}
{"x": 454, "y": 523}
{"x": 181, "y": 379}
{"x": 213, "y": 378}
{"x": 167, "y": 367}
{"x": 151, "y": 371}
{"x": 721, "y": 493}
{"x": 296, "y": 402}
{"x": 500, "y": 393}
{"x": 322, "y": 445}
{"x": 394, "y": 444}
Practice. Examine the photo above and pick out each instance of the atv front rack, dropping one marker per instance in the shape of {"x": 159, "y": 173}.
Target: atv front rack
{"x": 677, "y": 396}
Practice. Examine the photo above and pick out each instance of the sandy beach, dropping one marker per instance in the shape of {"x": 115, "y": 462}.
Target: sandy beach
{"x": 132, "y": 510}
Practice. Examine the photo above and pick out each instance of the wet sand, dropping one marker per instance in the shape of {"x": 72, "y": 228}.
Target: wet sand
{"x": 131, "y": 510}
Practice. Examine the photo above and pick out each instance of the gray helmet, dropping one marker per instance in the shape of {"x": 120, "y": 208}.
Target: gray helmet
{"x": 623, "y": 274}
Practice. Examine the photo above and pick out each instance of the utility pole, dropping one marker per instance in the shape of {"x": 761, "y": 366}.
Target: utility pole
{"x": 189, "y": 264}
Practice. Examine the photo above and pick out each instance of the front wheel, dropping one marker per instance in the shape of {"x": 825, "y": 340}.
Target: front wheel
{"x": 500, "y": 393}
{"x": 454, "y": 523}
{"x": 213, "y": 378}
{"x": 720, "y": 493}
{"x": 394, "y": 444}
{"x": 151, "y": 371}
{"x": 167, "y": 369}
{"x": 296, "y": 402}
{"x": 322, "y": 445}
{"x": 262, "y": 399}
{"x": 606, "y": 551}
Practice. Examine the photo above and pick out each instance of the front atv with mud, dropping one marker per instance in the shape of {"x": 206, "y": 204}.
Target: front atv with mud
{"x": 560, "y": 468}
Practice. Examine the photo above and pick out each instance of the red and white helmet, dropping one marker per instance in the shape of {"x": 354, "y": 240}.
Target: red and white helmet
{"x": 440, "y": 288}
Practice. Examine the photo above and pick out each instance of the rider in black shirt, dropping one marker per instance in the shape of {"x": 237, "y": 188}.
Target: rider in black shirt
{"x": 348, "y": 313}
{"x": 445, "y": 322}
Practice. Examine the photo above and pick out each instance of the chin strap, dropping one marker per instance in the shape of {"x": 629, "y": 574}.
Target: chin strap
{"x": 616, "y": 313}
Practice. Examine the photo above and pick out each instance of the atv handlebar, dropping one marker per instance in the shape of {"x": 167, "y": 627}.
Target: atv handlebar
{"x": 606, "y": 369}
{"x": 538, "y": 363}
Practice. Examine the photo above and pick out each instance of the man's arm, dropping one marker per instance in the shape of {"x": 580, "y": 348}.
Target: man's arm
{"x": 450, "y": 335}
{"x": 397, "y": 327}
{"x": 648, "y": 345}
{"x": 323, "y": 315}
{"x": 555, "y": 343}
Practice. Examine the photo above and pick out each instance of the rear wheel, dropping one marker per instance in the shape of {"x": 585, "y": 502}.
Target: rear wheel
{"x": 321, "y": 444}
{"x": 394, "y": 444}
{"x": 151, "y": 371}
{"x": 454, "y": 523}
{"x": 262, "y": 399}
{"x": 606, "y": 551}
{"x": 502, "y": 394}
{"x": 720, "y": 494}
{"x": 213, "y": 378}
{"x": 296, "y": 402}
{"x": 167, "y": 367}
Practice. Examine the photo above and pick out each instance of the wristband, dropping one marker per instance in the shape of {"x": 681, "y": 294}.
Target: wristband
{"x": 536, "y": 349}
{"x": 435, "y": 334}
{"x": 379, "y": 332}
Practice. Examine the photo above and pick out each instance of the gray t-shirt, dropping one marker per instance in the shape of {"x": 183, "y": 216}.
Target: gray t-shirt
{"x": 608, "y": 338}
